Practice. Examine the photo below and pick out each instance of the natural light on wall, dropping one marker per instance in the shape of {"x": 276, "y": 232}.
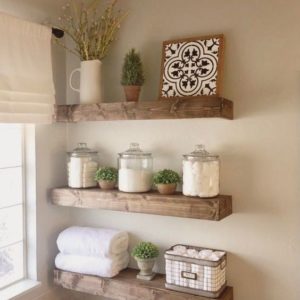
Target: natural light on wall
{"x": 12, "y": 223}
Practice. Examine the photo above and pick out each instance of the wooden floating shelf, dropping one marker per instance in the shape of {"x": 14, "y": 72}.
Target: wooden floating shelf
{"x": 176, "y": 205}
{"x": 126, "y": 286}
{"x": 200, "y": 107}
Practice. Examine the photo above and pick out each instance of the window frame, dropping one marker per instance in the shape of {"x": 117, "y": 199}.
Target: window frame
{"x": 23, "y": 204}
{"x": 30, "y": 281}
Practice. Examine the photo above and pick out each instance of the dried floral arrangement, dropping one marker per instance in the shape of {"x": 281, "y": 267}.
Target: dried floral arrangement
{"x": 91, "y": 31}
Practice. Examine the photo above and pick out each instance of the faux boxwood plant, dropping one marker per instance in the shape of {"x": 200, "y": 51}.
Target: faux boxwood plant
{"x": 145, "y": 250}
{"x": 166, "y": 176}
{"x": 106, "y": 173}
{"x": 132, "y": 72}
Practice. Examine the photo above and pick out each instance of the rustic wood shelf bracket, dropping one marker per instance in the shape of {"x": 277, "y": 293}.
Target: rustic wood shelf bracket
{"x": 202, "y": 107}
{"x": 126, "y": 286}
{"x": 177, "y": 205}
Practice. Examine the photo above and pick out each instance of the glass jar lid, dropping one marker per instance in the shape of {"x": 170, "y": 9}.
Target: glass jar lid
{"x": 134, "y": 151}
{"x": 82, "y": 150}
{"x": 201, "y": 154}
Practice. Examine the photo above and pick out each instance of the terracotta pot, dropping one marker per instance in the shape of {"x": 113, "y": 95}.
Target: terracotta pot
{"x": 167, "y": 189}
{"x": 107, "y": 184}
{"x": 132, "y": 92}
{"x": 145, "y": 266}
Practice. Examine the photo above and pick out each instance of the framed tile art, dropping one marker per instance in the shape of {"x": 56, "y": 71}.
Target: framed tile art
{"x": 192, "y": 67}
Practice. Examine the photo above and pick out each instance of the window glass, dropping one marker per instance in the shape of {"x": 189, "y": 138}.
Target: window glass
{"x": 12, "y": 223}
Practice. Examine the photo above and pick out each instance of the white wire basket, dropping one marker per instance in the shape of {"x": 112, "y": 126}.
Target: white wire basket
{"x": 198, "y": 276}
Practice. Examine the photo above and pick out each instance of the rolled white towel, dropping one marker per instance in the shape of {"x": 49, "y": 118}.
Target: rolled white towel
{"x": 171, "y": 252}
{"x": 192, "y": 253}
{"x": 205, "y": 254}
{"x": 213, "y": 257}
{"x": 87, "y": 180}
{"x": 103, "y": 267}
{"x": 90, "y": 165}
{"x": 88, "y": 241}
{"x": 89, "y": 184}
{"x": 180, "y": 250}
{"x": 89, "y": 173}
{"x": 219, "y": 253}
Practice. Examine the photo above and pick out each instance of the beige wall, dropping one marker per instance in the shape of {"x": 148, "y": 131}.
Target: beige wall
{"x": 259, "y": 149}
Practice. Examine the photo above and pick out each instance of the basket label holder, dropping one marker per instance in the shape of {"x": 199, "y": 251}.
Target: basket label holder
{"x": 188, "y": 275}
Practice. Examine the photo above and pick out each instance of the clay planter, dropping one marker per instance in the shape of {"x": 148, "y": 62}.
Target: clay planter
{"x": 132, "y": 92}
{"x": 167, "y": 189}
{"x": 145, "y": 266}
{"x": 107, "y": 184}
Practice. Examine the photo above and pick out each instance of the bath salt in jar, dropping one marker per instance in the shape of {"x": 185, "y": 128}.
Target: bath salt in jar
{"x": 82, "y": 167}
{"x": 201, "y": 173}
{"x": 135, "y": 170}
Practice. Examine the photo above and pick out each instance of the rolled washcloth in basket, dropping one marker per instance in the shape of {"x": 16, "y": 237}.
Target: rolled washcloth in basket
{"x": 88, "y": 241}
{"x": 103, "y": 267}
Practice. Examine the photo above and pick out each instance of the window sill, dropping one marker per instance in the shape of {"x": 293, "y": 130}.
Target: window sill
{"x": 18, "y": 289}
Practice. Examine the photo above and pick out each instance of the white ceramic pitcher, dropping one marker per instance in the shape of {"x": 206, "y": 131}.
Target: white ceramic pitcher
{"x": 90, "y": 82}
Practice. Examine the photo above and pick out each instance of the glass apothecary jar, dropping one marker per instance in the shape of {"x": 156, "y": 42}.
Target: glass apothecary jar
{"x": 82, "y": 167}
{"x": 201, "y": 173}
{"x": 135, "y": 170}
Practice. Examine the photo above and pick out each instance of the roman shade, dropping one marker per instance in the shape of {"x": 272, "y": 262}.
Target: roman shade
{"x": 27, "y": 92}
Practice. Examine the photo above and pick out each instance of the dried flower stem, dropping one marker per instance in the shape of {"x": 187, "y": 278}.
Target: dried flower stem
{"x": 92, "y": 33}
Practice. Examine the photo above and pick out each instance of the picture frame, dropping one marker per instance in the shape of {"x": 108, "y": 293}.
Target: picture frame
{"x": 192, "y": 67}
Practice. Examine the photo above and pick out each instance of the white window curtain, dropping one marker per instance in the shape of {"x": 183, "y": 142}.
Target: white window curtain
{"x": 27, "y": 92}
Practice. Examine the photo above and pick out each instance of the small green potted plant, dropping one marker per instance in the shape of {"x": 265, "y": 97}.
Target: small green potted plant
{"x": 132, "y": 75}
{"x": 166, "y": 181}
{"x": 145, "y": 253}
{"x": 107, "y": 177}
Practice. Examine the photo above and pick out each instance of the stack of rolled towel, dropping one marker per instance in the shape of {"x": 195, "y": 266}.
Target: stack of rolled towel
{"x": 208, "y": 278}
{"x": 205, "y": 254}
{"x": 92, "y": 251}
{"x": 82, "y": 172}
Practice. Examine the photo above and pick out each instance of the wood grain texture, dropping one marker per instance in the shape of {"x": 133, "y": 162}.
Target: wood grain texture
{"x": 148, "y": 203}
{"x": 202, "y": 107}
{"x": 126, "y": 286}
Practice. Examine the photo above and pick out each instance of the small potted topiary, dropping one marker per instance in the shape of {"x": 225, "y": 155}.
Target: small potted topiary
{"x": 132, "y": 75}
{"x": 145, "y": 253}
{"x": 166, "y": 181}
{"x": 107, "y": 177}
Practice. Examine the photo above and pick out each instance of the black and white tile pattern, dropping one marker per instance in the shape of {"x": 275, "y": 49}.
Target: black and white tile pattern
{"x": 191, "y": 68}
